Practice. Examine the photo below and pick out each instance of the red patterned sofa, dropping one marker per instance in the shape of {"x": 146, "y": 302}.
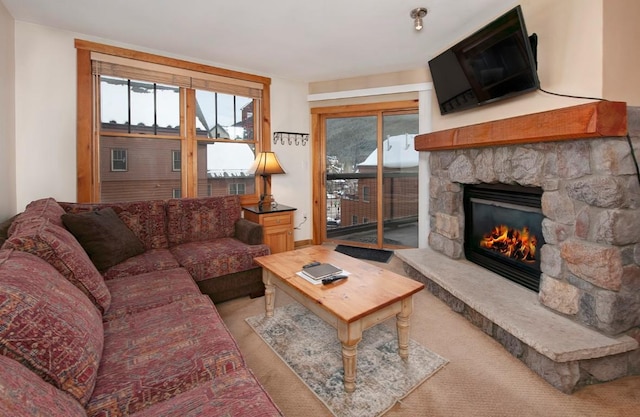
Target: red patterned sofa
{"x": 128, "y": 332}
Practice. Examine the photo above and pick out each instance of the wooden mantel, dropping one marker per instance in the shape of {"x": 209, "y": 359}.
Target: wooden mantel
{"x": 591, "y": 120}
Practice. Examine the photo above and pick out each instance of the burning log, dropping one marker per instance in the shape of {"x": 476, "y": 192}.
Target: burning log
{"x": 512, "y": 243}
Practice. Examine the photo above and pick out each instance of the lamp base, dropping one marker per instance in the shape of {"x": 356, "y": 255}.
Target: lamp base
{"x": 266, "y": 202}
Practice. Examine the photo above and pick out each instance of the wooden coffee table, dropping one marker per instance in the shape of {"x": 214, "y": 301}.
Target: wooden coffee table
{"x": 369, "y": 296}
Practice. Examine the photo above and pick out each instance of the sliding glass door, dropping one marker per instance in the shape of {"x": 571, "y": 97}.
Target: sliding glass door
{"x": 369, "y": 187}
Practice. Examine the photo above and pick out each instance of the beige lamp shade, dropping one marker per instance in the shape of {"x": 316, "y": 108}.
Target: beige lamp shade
{"x": 266, "y": 163}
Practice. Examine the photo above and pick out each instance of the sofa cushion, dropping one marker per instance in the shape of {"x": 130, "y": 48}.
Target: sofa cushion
{"x": 200, "y": 219}
{"x": 57, "y": 246}
{"x": 23, "y": 393}
{"x": 151, "y": 260}
{"x": 45, "y": 208}
{"x": 171, "y": 349}
{"x": 105, "y": 238}
{"x": 48, "y": 325}
{"x": 145, "y": 291}
{"x": 146, "y": 219}
{"x": 217, "y": 257}
{"x": 237, "y": 393}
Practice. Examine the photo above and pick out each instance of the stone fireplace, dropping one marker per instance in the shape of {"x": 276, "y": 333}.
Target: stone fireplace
{"x": 581, "y": 161}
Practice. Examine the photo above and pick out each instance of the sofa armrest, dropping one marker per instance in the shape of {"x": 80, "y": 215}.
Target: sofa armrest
{"x": 248, "y": 232}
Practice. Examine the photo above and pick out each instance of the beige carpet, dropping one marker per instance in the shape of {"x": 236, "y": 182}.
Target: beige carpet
{"x": 481, "y": 378}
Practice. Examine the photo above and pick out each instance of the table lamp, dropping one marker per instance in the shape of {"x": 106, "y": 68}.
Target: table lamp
{"x": 266, "y": 164}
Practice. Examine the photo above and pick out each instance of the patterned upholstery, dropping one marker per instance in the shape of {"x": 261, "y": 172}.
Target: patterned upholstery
{"x": 233, "y": 394}
{"x": 145, "y": 291}
{"x": 217, "y": 257}
{"x": 160, "y": 346}
{"x": 58, "y": 247}
{"x": 23, "y": 393}
{"x": 199, "y": 219}
{"x": 156, "y": 354}
{"x": 147, "y": 219}
{"x": 48, "y": 325}
{"x": 47, "y": 208}
{"x": 151, "y": 260}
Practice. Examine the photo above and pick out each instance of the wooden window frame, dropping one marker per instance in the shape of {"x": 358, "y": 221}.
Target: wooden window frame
{"x": 87, "y": 150}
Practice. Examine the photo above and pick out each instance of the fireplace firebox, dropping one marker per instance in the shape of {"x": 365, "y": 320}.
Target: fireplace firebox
{"x": 503, "y": 230}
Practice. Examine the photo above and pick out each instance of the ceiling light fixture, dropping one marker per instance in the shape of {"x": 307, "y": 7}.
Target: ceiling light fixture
{"x": 417, "y": 14}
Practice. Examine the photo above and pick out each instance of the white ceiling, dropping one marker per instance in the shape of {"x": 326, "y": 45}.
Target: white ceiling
{"x": 301, "y": 40}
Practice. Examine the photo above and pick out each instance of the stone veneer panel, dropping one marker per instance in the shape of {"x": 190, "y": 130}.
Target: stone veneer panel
{"x": 591, "y": 204}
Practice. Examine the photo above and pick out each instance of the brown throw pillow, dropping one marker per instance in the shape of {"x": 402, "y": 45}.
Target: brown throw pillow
{"x": 105, "y": 238}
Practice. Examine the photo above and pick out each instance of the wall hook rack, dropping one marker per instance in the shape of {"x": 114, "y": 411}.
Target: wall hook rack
{"x": 291, "y": 138}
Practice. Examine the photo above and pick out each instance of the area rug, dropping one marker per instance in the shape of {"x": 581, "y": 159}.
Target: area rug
{"x": 378, "y": 255}
{"x": 310, "y": 347}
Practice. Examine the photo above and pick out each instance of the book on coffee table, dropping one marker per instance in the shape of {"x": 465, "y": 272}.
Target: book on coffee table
{"x": 318, "y": 272}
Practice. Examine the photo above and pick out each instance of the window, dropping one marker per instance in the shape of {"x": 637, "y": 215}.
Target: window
{"x": 118, "y": 159}
{"x": 226, "y": 142}
{"x": 354, "y": 219}
{"x": 365, "y": 193}
{"x": 153, "y": 106}
{"x": 236, "y": 188}
{"x": 175, "y": 193}
{"x": 176, "y": 161}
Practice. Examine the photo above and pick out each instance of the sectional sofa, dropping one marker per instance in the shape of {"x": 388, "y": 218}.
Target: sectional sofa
{"x": 102, "y": 311}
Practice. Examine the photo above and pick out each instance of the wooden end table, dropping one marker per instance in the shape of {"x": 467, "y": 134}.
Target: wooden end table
{"x": 369, "y": 296}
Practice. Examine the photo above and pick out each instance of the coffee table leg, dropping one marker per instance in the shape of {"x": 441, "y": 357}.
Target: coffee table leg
{"x": 269, "y": 293}
{"x": 402, "y": 323}
{"x": 349, "y": 335}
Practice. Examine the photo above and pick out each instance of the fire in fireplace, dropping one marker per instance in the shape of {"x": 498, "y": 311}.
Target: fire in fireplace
{"x": 503, "y": 230}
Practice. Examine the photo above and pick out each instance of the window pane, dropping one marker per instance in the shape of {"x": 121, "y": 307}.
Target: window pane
{"x": 400, "y": 179}
{"x": 223, "y": 168}
{"x": 351, "y": 158}
{"x": 168, "y": 109}
{"x": 149, "y": 170}
{"x": 148, "y": 102}
{"x": 114, "y": 103}
{"x": 142, "y": 107}
{"x": 223, "y": 116}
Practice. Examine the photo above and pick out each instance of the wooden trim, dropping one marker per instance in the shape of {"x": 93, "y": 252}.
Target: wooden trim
{"x": 349, "y": 110}
{"x": 318, "y": 176}
{"x": 591, "y": 120}
{"x": 189, "y": 177}
{"x": 172, "y": 62}
{"x": 84, "y": 115}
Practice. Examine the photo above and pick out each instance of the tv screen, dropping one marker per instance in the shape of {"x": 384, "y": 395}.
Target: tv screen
{"x": 494, "y": 63}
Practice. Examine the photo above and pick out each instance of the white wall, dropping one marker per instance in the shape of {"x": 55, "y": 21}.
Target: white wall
{"x": 290, "y": 113}
{"x": 570, "y": 61}
{"x": 46, "y": 122}
{"x": 45, "y": 114}
{"x": 8, "y": 205}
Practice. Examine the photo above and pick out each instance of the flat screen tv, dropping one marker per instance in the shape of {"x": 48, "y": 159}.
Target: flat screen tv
{"x": 496, "y": 62}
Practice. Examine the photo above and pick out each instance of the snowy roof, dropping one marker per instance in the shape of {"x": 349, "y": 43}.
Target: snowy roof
{"x": 234, "y": 159}
{"x": 398, "y": 152}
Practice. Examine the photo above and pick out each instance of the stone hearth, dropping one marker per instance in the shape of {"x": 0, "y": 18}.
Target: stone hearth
{"x": 590, "y": 286}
